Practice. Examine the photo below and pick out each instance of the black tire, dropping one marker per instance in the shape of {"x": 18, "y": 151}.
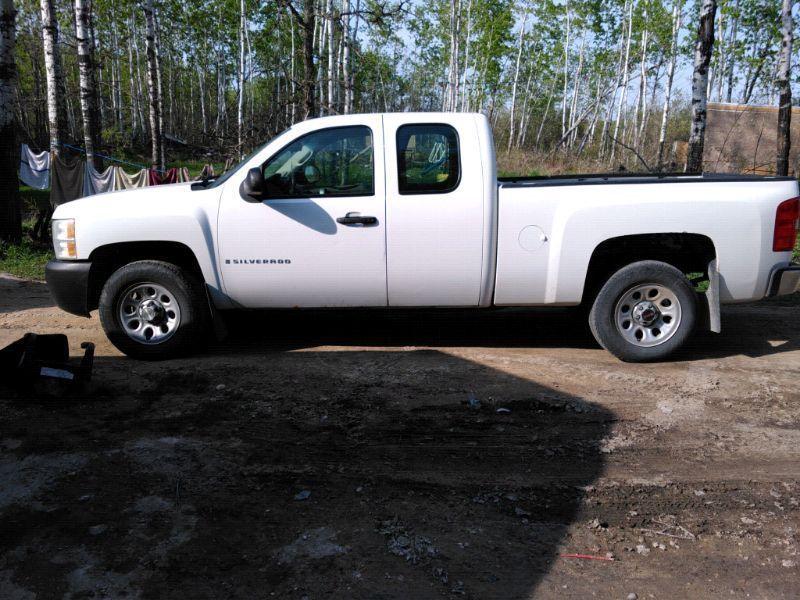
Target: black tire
{"x": 188, "y": 292}
{"x": 606, "y": 311}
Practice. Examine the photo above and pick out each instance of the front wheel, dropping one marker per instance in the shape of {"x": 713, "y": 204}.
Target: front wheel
{"x": 644, "y": 312}
{"x": 153, "y": 310}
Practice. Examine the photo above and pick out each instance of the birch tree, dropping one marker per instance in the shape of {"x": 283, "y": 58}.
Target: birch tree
{"x": 677, "y": 11}
{"x": 240, "y": 103}
{"x": 625, "y": 77}
{"x": 347, "y": 105}
{"x": 10, "y": 207}
{"x": 704, "y": 46}
{"x": 451, "y": 95}
{"x": 88, "y": 80}
{"x": 516, "y": 81}
{"x": 785, "y": 101}
{"x": 56, "y": 91}
{"x": 153, "y": 88}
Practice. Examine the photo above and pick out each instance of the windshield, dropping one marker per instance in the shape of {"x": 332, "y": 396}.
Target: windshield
{"x": 212, "y": 183}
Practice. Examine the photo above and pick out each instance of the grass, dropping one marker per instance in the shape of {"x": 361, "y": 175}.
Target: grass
{"x": 26, "y": 260}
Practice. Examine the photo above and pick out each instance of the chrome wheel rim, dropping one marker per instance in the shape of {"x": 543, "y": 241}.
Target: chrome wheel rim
{"x": 648, "y": 315}
{"x": 149, "y": 313}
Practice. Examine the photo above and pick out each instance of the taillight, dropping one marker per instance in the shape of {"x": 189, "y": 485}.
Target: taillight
{"x": 786, "y": 224}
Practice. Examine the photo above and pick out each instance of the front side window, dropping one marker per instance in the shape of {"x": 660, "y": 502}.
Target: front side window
{"x": 427, "y": 159}
{"x": 330, "y": 162}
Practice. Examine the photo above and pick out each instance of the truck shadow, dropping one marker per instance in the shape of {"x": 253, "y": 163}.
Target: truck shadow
{"x": 752, "y": 330}
{"x": 345, "y": 474}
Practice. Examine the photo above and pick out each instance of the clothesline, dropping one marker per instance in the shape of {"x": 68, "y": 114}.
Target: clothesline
{"x": 123, "y": 162}
{"x": 72, "y": 178}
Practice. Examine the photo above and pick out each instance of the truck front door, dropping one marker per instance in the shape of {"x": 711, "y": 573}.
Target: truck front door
{"x": 318, "y": 238}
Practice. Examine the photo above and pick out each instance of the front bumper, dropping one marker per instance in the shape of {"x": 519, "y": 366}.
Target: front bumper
{"x": 785, "y": 280}
{"x": 68, "y": 282}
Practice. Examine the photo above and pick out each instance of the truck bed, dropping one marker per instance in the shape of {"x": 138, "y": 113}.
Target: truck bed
{"x": 631, "y": 178}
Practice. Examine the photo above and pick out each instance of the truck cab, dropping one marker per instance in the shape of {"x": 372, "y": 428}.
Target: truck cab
{"x": 363, "y": 211}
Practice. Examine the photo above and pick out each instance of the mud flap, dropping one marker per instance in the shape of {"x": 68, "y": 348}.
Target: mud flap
{"x": 712, "y": 299}
{"x": 217, "y": 322}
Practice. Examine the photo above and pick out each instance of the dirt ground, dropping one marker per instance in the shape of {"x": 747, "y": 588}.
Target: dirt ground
{"x": 406, "y": 455}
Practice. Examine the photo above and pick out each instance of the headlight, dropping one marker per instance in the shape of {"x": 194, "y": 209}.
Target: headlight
{"x": 64, "y": 239}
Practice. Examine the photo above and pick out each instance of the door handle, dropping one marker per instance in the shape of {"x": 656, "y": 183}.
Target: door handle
{"x": 354, "y": 218}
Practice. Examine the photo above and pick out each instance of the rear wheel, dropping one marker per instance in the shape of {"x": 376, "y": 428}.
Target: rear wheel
{"x": 644, "y": 312}
{"x": 153, "y": 310}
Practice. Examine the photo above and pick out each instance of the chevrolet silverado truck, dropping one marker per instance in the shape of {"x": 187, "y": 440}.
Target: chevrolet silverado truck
{"x": 406, "y": 210}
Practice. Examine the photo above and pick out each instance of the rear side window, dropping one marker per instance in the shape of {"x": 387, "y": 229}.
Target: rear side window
{"x": 427, "y": 159}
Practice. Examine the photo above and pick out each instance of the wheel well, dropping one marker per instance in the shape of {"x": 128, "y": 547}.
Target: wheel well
{"x": 107, "y": 259}
{"x": 689, "y": 252}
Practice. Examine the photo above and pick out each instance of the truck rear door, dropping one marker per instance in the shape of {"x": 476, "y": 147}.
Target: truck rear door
{"x": 434, "y": 210}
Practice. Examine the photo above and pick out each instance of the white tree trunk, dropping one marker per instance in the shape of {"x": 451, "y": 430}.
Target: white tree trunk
{"x": 87, "y": 78}
{"x": 566, "y": 72}
{"x": 546, "y": 111}
{"x": 576, "y": 88}
{"x": 731, "y": 63}
{"x": 154, "y": 92}
{"x": 56, "y": 94}
{"x": 451, "y": 93}
{"x": 625, "y": 74}
{"x": 139, "y": 78}
{"x": 240, "y": 104}
{"x": 676, "y": 28}
{"x": 134, "y": 99}
{"x": 784, "y": 86}
{"x": 160, "y": 95}
{"x": 704, "y": 47}
{"x": 331, "y": 52}
{"x": 201, "y": 86}
{"x": 464, "y": 83}
{"x": 639, "y": 126}
{"x": 524, "y": 114}
{"x": 292, "y": 74}
{"x": 516, "y": 81}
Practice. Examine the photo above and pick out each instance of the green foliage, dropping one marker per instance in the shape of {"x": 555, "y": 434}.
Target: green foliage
{"x": 33, "y": 198}
{"x": 26, "y": 259}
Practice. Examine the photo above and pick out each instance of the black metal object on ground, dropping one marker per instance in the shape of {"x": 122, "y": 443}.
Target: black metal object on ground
{"x": 36, "y": 357}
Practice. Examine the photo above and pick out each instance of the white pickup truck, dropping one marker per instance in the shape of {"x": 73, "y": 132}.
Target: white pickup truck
{"x": 406, "y": 210}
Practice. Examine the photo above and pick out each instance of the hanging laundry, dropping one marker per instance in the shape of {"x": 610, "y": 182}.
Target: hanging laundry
{"x": 95, "y": 182}
{"x": 123, "y": 181}
{"x": 34, "y": 169}
{"x": 228, "y": 165}
{"x": 66, "y": 180}
{"x": 171, "y": 176}
{"x": 206, "y": 173}
{"x": 183, "y": 175}
{"x": 153, "y": 177}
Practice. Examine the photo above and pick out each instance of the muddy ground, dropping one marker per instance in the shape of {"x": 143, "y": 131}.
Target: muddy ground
{"x": 406, "y": 455}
